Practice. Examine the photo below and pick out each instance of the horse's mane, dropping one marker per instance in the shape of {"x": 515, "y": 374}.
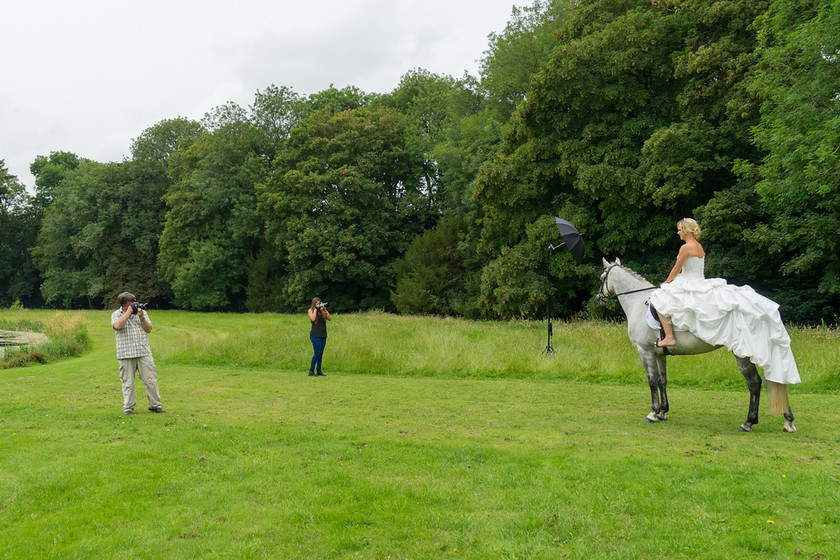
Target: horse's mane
{"x": 634, "y": 274}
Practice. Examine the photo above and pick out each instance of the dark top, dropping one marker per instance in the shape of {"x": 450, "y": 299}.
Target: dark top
{"x": 319, "y": 327}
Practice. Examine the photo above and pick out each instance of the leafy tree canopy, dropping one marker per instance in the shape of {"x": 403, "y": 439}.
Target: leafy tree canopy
{"x": 797, "y": 79}
{"x": 157, "y": 143}
{"x": 211, "y": 228}
{"x": 19, "y": 220}
{"x": 343, "y": 203}
{"x": 49, "y": 173}
{"x": 100, "y": 235}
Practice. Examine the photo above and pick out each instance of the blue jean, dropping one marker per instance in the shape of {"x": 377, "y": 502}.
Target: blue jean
{"x": 318, "y": 345}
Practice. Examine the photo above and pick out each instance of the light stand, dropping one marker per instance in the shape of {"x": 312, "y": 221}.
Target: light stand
{"x": 551, "y": 248}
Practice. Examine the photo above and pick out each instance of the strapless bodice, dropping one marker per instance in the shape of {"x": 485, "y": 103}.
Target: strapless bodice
{"x": 693, "y": 268}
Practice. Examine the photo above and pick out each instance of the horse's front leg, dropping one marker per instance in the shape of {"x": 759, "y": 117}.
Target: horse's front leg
{"x": 661, "y": 363}
{"x": 754, "y": 385}
{"x": 657, "y": 380}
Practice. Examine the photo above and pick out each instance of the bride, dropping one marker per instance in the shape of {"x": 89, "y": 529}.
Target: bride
{"x": 737, "y": 317}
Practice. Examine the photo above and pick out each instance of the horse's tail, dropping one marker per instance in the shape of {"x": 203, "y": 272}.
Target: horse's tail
{"x": 777, "y": 396}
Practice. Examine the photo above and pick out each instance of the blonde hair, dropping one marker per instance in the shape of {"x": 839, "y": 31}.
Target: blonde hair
{"x": 688, "y": 225}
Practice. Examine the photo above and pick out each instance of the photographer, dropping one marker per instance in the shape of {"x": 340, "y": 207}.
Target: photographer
{"x": 318, "y": 316}
{"x": 131, "y": 325}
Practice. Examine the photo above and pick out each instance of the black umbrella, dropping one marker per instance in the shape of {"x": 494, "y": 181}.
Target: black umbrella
{"x": 572, "y": 238}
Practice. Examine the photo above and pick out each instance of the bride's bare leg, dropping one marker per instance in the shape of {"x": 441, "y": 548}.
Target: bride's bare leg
{"x": 668, "y": 327}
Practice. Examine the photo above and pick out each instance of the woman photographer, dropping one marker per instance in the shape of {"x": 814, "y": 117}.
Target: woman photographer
{"x": 318, "y": 316}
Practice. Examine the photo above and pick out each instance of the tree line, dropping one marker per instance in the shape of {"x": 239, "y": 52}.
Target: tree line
{"x": 439, "y": 197}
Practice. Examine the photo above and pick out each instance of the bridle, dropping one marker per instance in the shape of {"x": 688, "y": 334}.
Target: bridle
{"x": 604, "y": 296}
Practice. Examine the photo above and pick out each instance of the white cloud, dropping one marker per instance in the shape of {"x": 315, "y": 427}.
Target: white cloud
{"x": 88, "y": 76}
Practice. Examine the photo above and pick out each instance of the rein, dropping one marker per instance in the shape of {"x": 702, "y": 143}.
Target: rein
{"x": 635, "y": 291}
{"x": 611, "y": 296}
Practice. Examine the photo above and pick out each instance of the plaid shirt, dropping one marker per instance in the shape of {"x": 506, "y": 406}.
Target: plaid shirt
{"x": 132, "y": 341}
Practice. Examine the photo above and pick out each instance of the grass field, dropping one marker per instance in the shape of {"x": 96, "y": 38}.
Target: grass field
{"x": 429, "y": 438}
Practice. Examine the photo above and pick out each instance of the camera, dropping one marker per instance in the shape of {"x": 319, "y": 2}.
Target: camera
{"x": 322, "y": 305}
{"x": 135, "y": 305}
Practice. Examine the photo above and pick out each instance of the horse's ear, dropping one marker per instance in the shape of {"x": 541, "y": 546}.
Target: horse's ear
{"x": 618, "y": 261}
{"x": 605, "y": 261}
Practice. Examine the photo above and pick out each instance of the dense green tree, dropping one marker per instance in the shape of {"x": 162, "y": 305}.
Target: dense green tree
{"x": 12, "y": 192}
{"x": 636, "y": 120}
{"x": 24, "y": 223}
{"x": 518, "y": 52}
{"x": 49, "y": 172}
{"x": 223, "y": 115}
{"x": 157, "y": 143}
{"x": 212, "y": 230}
{"x": 440, "y": 115}
{"x": 433, "y": 108}
{"x": 337, "y": 100}
{"x": 430, "y": 276}
{"x": 797, "y": 79}
{"x": 341, "y": 206}
{"x": 574, "y": 148}
{"x": 19, "y": 220}
{"x": 457, "y": 125}
{"x": 273, "y": 114}
{"x": 689, "y": 166}
{"x": 687, "y": 161}
{"x": 100, "y": 235}
{"x": 422, "y": 99}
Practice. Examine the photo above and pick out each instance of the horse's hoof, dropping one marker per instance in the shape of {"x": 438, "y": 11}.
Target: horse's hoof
{"x": 745, "y": 428}
{"x": 789, "y": 427}
{"x": 661, "y": 417}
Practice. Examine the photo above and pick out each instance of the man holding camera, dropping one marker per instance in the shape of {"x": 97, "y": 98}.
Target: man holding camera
{"x": 131, "y": 325}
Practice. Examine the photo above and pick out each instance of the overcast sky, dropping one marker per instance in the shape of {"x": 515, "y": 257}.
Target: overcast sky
{"x": 88, "y": 76}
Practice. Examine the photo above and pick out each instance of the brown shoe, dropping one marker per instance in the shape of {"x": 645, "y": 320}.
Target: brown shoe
{"x": 156, "y": 410}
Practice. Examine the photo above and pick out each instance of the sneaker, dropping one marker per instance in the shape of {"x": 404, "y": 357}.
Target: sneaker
{"x": 320, "y": 374}
{"x": 311, "y": 374}
{"x": 128, "y": 412}
{"x": 156, "y": 410}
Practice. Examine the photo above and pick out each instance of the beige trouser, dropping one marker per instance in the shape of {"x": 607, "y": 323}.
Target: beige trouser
{"x": 145, "y": 368}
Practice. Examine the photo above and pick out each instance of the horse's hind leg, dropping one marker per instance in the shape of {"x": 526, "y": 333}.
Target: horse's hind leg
{"x": 779, "y": 404}
{"x": 754, "y": 385}
{"x": 789, "y": 427}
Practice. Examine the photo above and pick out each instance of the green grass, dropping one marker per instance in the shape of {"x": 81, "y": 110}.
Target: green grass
{"x": 429, "y": 438}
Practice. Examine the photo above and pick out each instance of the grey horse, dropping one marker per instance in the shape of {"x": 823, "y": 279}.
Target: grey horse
{"x": 632, "y": 292}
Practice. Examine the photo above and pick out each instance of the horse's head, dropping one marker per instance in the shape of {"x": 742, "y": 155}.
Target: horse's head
{"x": 607, "y": 290}
{"x": 618, "y": 280}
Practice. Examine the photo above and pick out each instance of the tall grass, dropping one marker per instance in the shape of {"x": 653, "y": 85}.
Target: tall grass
{"x": 383, "y": 344}
{"x": 67, "y": 334}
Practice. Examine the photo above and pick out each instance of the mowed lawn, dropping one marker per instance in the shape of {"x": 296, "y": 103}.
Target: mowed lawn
{"x": 429, "y": 438}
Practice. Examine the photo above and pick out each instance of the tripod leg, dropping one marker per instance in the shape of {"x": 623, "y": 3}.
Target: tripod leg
{"x": 548, "y": 348}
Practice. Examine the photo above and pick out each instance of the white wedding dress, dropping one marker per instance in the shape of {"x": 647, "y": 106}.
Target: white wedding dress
{"x": 737, "y": 317}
